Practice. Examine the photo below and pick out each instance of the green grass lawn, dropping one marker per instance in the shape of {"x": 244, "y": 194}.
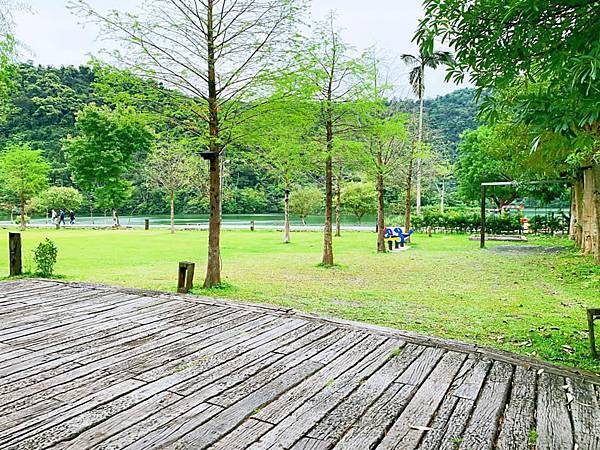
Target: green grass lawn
{"x": 444, "y": 285}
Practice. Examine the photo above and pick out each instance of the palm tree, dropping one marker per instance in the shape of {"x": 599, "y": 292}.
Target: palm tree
{"x": 416, "y": 78}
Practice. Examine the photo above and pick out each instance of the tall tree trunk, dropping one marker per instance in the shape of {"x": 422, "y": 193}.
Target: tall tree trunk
{"x": 380, "y": 213}
{"x": 418, "y": 168}
{"x": 213, "y": 269}
{"x": 172, "y": 212}
{"x": 408, "y": 203}
{"x": 338, "y": 204}
{"x": 22, "y": 202}
{"x": 286, "y": 216}
{"x": 328, "y": 231}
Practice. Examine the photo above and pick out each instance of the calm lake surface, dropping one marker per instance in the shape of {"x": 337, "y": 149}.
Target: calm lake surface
{"x": 202, "y": 219}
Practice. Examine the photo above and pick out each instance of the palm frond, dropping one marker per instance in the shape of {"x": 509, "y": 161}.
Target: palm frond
{"x": 415, "y": 79}
{"x": 409, "y": 59}
{"x": 438, "y": 58}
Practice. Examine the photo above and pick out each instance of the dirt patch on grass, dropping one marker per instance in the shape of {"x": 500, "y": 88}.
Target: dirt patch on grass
{"x": 527, "y": 250}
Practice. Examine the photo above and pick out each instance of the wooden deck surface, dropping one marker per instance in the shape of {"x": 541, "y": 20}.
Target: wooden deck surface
{"x": 98, "y": 367}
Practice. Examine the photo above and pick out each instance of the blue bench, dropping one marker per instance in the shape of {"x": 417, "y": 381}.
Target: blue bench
{"x": 396, "y": 238}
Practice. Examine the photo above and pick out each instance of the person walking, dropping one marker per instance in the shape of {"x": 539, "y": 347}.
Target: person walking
{"x": 53, "y": 215}
{"x": 61, "y": 218}
{"x": 71, "y": 217}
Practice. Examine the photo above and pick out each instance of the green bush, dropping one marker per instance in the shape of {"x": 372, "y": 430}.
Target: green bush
{"x": 44, "y": 256}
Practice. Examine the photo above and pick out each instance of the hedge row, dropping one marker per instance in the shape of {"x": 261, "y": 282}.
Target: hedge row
{"x": 470, "y": 222}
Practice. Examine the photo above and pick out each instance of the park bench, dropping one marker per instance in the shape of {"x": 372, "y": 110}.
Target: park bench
{"x": 396, "y": 238}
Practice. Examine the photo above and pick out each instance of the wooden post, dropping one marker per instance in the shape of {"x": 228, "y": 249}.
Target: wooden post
{"x": 146, "y": 224}
{"x": 591, "y": 315}
{"x": 185, "y": 281}
{"x": 482, "y": 241}
{"x": 14, "y": 249}
{"x": 252, "y": 225}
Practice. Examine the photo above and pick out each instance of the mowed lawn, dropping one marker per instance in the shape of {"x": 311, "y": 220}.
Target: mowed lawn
{"x": 444, "y": 285}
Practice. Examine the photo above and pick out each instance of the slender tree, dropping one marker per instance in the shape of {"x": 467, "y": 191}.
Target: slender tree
{"x": 419, "y": 63}
{"x": 330, "y": 72}
{"x": 383, "y": 133}
{"x": 170, "y": 167}
{"x": 279, "y": 140}
{"x": 24, "y": 174}
{"x": 220, "y": 54}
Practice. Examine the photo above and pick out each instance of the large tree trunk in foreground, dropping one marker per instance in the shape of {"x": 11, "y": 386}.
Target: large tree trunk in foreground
{"x": 380, "y": 215}
{"x": 286, "y": 216}
{"x": 585, "y": 211}
{"x": 328, "y": 231}
{"x": 213, "y": 266}
{"x": 172, "y": 212}
{"x": 408, "y": 202}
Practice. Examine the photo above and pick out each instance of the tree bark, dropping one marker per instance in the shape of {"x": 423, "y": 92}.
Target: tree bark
{"x": 328, "y": 231}
{"x": 286, "y": 216}
{"x": 408, "y": 204}
{"x": 380, "y": 214}
{"x": 213, "y": 269}
{"x": 596, "y": 194}
{"x": 338, "y": 204}
{"x": 172, "y": 212}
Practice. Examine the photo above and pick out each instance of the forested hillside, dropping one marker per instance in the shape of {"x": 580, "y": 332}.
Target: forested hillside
{"x": 45, "y": 100}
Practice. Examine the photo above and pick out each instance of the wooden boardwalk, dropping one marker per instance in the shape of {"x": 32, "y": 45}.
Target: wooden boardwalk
{"x": 106, "y": 368}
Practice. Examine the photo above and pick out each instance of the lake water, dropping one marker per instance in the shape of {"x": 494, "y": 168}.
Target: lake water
{"x": 261, "y": 220}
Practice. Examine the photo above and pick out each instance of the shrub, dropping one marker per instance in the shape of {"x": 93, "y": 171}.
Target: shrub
{"x": 44, "y": 256}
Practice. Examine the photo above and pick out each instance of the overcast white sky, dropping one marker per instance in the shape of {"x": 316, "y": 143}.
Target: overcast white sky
{"x": 55, "y": 37}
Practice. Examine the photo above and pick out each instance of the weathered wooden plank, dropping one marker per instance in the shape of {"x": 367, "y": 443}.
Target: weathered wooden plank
{"x": 554, "y": 428}
{"x": 200, "y": 412}
{"x": 300, "y": 421}
{"x": 188, "y": 432}
{"x": 79, "y": 342}
{"x": 371, "y": 428}
{"x": 32, "y": 434}
{"x": 340, "y": 358}
{"x": 519, "y": 418}
{"x": 331, "y": 428}
{"x": 119, "y": 422}
{"x": 106, "y": 359}
{"x": 12, "y": 384}
{"x": 483, "y": 426}
{"x": 240, "y": 438}
{"x": 423, "y": 365}
{"x": 239, "y": 391}
{"x": 233, "y": 373}
{"x": 585, "y": 410}
{"x": 454, "y": 413}
{"x": 404, "y": 433}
